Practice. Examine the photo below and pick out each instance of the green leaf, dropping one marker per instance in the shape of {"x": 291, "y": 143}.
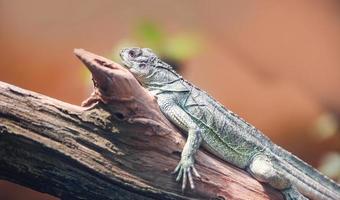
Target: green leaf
{"x": 150, "y": 35}
{"x": 183, "y": 46}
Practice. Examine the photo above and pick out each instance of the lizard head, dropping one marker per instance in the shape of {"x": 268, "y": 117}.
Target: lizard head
{"x": 140, "y": 61}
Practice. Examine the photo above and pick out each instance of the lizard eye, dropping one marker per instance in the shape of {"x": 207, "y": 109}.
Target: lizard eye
{"x": 142, "y": 65}
{"x": 133, "y": 53}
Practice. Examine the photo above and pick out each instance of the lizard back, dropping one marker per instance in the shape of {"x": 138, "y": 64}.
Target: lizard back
{"x": 221, "y": 128}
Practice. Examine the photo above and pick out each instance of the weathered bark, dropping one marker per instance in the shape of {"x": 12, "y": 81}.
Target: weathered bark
{"x": 120, "y": 148}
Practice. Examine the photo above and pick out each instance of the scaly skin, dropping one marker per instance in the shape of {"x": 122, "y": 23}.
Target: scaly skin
{"x": 223, "y": 133}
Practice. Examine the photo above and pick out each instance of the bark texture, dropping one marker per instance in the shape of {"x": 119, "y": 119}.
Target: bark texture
{"x": 120, "y": 147}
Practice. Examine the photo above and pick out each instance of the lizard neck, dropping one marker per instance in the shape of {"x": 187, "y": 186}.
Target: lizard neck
{"x": 164, "y": 81}
{"x": 162, "y": 76}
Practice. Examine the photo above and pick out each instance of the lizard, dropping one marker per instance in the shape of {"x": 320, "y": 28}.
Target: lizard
{"x": 223, "y": 133}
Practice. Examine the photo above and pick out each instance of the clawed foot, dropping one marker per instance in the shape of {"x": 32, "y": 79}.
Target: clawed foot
{"x": 185, "y": 168}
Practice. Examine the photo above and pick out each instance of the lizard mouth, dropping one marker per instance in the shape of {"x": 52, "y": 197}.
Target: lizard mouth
{"x": 124, "y": 55}
{"x": 125, "y": 65}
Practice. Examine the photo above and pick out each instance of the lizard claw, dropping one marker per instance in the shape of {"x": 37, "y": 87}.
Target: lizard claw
{"x": 185, "y": 168}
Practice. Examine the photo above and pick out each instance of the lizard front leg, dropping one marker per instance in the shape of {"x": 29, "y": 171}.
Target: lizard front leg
{"x": 185, "y": 167}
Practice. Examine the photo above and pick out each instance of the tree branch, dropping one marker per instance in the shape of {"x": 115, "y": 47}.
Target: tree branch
{"x": 121, "y": 147}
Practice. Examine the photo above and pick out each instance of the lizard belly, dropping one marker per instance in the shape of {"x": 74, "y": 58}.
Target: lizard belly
{"x": 237, "y": 152}
{"x": 223, "y": 133}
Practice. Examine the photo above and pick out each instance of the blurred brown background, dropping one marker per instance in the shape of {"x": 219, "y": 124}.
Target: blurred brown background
{"x": 277, "y": 64}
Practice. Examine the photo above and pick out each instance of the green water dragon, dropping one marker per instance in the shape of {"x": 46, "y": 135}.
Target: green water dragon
{"x": 223, "y": 133}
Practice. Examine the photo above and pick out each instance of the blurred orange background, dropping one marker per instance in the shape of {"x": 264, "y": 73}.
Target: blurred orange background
{"x": 277, "y": 64}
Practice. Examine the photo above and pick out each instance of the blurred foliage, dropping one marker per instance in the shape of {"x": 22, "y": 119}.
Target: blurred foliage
{"x": 330, "y": 165}
{"x": 326, "y": 126}
{"x": 150, "y": 34}
{"x": 174, "y": 47}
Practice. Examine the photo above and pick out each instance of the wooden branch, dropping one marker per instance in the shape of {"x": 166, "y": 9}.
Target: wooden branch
{"x": 121, "y": 147}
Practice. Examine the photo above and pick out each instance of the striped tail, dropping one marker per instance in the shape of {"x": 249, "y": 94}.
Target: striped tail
{"x": 309, "y": 181}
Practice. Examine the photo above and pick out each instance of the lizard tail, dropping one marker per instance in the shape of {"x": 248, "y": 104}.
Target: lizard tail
{"x": 308, "y": 180}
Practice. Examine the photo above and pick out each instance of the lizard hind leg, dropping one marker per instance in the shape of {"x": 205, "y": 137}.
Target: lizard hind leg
{"x": 262, "y": 168}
